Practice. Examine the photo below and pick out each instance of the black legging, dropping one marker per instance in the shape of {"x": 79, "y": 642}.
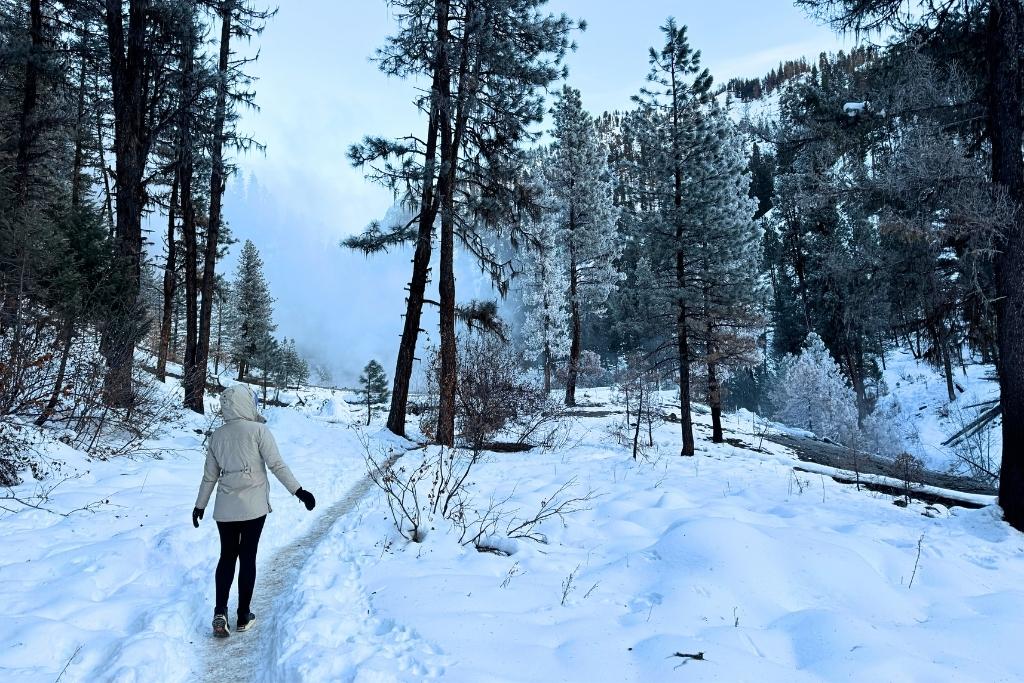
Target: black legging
{"x": 238, "y": 543}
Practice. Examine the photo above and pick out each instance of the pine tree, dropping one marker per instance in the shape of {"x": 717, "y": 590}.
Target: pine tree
{"x": 141, "y": 81}
{"x": 761, "y": 180}
{"x": 251, "y": 314}
{"x": 545, "y": 330}
{"x": 580, "y": 192}
{"x": 374, "y": 383}
{"x": 488, "y": 61}
{"x": 675, "y": 130}
{"x": 811, "y": 393}
{"x": 724, "y": 259}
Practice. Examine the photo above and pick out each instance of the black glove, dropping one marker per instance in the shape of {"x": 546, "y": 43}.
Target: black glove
{"x": 307, "y": 498}
{"x": 197, "y": 514}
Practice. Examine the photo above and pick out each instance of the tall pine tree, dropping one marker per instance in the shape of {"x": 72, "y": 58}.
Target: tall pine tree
{"x": 584, "y": 216}
{"x": 251, "y": 313}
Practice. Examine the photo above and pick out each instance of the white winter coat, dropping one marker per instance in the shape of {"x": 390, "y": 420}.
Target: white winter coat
{"x": 237, "y": 459}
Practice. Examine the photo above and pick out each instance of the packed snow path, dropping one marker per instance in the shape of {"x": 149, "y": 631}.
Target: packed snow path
{"x": 247, "y": 656}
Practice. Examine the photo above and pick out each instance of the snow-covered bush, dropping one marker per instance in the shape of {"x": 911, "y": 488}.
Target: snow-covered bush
{"x": 887, "y": 431}
{"x": 17, "y": 452}
{"x": 811, "y": 393}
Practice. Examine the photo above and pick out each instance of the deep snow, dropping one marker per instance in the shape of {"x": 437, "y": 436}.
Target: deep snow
{"x": 774, "y": 575}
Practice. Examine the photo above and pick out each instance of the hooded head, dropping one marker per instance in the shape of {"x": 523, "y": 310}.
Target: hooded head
{"x": 238, "y": 403}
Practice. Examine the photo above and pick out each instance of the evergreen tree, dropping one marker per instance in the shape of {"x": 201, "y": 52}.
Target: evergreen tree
{"x": 291, "y": 368}
{"x": 811, "y": 393}
{"x": 584, "y": 216}
{"x": 488, "y": 61}
{"x": 251, "y": 315}
{"x": 762, "y": 184}
{"x": 545, "y": 330}
{"x": 676, "y": 132}
{"x": 374, "y": 383}
{"x": 725, "y": 260}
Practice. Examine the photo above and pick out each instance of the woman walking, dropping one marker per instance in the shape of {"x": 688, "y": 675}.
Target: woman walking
{"x": 237, "y": 459}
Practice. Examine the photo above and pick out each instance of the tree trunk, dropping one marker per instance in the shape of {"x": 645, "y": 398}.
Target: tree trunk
{"x": 572, "y": 372}
{"x": 194, "y": 373}
{"x": 78, "y": 159}
{"x": 220, "y": 342}
{"x": 170, "y": 276}
{"x": 682, "y": 333}
{"x": 9, "y": 309}
{"x": 30, "y": 98}
{"x": 683, "y": 349}
{"x": 424, "y": 238}
{"x": 547, "y": 369}
{"x": 451, "y": 146}
{"x": 67, "y": 336}
{"x": 449, "y": 354}
{"x": 639, "y": 416}
{"x": 128, "y": 81}
{"x": 108, "y": 194}
{"x": 947, "y": 369}
{"x": 217, "y": 181}
{"x": 715, "y": 402}
{"x": 1005, "y": 27}
{"x": 446, "y": 285}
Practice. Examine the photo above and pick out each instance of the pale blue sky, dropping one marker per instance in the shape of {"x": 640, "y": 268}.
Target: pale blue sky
{"x": 319, "y": 93}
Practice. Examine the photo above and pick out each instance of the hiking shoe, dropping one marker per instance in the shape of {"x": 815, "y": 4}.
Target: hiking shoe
{"x": 220, "y": 626}
{"x": 245, "y": 623}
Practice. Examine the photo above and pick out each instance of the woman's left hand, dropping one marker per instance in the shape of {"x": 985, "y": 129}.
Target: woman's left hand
{"x": 307, "y": 498}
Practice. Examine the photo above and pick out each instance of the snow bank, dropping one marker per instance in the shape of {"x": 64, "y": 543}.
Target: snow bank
{"x": 774, "y": 575}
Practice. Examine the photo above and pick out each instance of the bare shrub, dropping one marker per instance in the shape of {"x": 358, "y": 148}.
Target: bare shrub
{"x": 17, "y": 452}
{"x": 908, "y": 470}
{"x": 107, "y": 432}
{"x": 494, "y": 393}
{"x": 636, "y": 389}
{"x": 559, "y": 504}
{"x": 439, "y": 487}
{"x": 401, "y": 492}
{"x": 27, "y": 370}
{"x": 973, "y": 444}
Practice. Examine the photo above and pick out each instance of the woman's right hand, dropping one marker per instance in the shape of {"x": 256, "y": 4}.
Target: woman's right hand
{"x": 197, "y": 514}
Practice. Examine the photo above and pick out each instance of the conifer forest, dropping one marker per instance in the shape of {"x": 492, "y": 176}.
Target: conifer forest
{"x": 742, "y": 342}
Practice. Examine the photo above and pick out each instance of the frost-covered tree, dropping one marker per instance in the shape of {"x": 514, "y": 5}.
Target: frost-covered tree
{"x": 251, "y": 312}
{"x": 545, "y": 328}
{"x": 811, "y": 393}
{"x": 373, "y": 384}
{"x": 292, "y": 368}
{"x": 582, "y": 208}
{"x": 725, "y": 260}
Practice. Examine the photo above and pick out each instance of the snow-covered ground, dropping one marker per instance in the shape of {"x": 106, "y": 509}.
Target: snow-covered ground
{"x": 929, "y": 418}
{"x": 772, "y": 574}
{"x": 125, "y": 592}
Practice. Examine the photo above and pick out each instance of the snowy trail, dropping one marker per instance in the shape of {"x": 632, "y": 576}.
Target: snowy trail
{"x": 245, "y": 656}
